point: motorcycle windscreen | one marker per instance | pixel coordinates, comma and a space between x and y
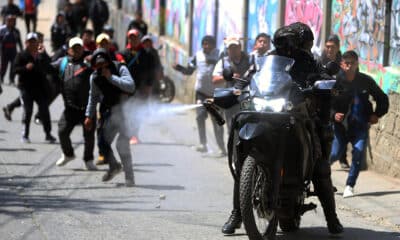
273, 79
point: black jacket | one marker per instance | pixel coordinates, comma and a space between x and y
76, 84
30, 80
141, 65
363, 86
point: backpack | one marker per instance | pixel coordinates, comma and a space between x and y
63, 66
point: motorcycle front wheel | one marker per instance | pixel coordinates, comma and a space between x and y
259, 220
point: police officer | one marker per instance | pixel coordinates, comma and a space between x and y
295, 41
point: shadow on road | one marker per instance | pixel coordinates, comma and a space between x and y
17, 149
19, 164
377, 194
350, 233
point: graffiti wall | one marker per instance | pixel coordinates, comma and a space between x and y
230, 20
151, 13
203, 21
262, 17
177, 20
309, 12
129, 6
395, 34
361, 26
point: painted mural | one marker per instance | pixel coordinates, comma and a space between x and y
361, 26
129, 6
262, 18
151, 10
230, 20
203, 21
309, 12
177, 20
395, 34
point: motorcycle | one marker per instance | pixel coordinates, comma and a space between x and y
164, 90
271, 146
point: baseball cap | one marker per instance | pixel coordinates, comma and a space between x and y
32, 35
101, 37
99, 59
232, 41
133, 32
75, 41
146, 37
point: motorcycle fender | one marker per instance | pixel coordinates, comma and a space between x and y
251, 130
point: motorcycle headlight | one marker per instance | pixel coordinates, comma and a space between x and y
274, 105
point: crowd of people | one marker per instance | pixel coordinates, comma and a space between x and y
88, 68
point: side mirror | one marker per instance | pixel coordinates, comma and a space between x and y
228, 74
332, 68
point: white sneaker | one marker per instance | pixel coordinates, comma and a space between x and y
348, 192
201, 148
64, 160
90, 166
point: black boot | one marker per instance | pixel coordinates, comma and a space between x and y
324, 190
234, 222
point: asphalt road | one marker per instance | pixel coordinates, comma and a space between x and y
180, 193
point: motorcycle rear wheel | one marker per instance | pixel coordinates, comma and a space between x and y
258, 221
167, 92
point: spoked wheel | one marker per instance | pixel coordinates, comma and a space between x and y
259, 219
167, 90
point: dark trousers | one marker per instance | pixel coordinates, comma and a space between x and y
112, 124
97, 27
27, 98
7, 57
14, 104
201, 124
68, 120
28, 19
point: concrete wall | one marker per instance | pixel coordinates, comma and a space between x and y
384, 152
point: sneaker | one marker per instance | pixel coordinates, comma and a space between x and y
222, 153
37, 121
129, 182
201, 148
50, 139
101, 160
344, 165
64, 160
25, 140
111, 173
7, 113
348, 192
90, 166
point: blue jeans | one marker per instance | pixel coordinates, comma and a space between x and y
357, 135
